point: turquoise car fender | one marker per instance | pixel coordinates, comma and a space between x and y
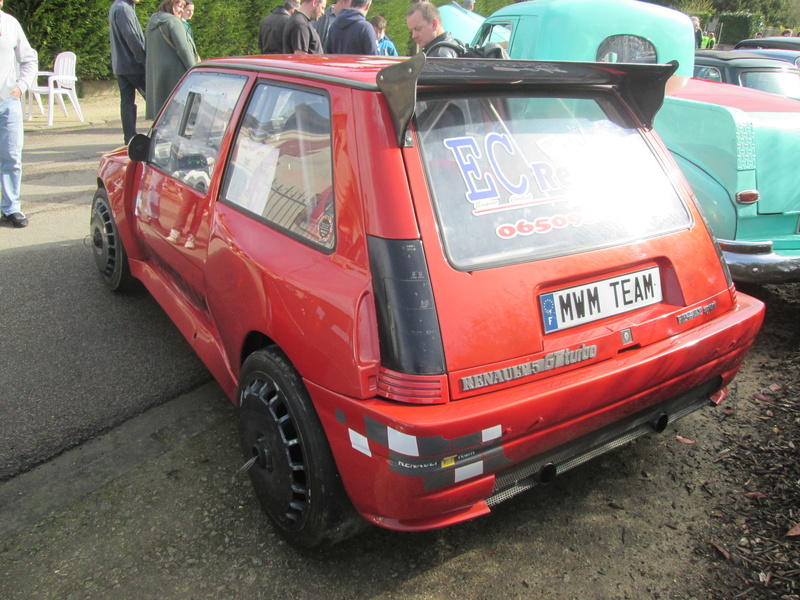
713, 199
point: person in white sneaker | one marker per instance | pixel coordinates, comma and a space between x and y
16, 56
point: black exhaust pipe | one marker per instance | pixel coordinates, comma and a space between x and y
659, 424
546, 474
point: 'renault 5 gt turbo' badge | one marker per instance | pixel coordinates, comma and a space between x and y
552, 360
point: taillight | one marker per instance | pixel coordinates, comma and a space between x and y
417, 389
408, 325
747, 197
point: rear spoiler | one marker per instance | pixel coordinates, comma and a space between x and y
641, 86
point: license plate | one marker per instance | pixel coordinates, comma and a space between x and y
581, 304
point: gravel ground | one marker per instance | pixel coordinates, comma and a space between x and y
706, 511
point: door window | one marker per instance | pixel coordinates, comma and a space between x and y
188, 136
498, 33
709, 73
281, 170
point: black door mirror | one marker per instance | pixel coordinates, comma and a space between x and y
139, 148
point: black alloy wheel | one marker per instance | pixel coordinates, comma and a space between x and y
292, 469
109, 253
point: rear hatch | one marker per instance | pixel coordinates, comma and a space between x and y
556, 234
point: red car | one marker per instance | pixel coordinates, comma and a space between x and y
427, 285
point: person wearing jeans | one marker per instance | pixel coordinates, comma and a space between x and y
18, 65
127, 60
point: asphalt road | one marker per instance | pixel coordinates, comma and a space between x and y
76, 359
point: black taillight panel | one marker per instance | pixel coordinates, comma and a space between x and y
408, 325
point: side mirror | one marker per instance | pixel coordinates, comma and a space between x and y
139, 148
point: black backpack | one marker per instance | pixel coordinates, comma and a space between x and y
490, 50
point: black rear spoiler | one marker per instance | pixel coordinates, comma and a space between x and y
641, 86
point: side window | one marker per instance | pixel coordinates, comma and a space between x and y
627, 49
499, 33
280, 169
709, 73
188, 136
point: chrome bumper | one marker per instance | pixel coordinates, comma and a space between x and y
756, 262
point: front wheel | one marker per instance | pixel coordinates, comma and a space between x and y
293, 471
109, 253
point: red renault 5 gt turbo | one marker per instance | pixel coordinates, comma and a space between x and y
428, 285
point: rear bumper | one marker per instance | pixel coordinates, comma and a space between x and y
413, 468
758, 263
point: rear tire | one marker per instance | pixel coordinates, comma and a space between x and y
294, 474
109, 253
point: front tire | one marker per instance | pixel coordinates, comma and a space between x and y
109, 253
294, 475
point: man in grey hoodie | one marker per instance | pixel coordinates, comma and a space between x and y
127, 60
351, 33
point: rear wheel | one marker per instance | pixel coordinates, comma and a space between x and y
109, 253
292, 471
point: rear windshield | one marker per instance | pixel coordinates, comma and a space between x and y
516, 179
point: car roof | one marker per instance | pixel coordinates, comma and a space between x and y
736, 96
739, 58
352, 71
779, 53
640, 85
787, 43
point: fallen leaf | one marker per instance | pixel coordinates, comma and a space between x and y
684, 440
762, 397
722, 551
755, 496
794, 531
775, 387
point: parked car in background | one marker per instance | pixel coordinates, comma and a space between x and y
791, 56
738, 148
781, 42
750, 191
427, 284
748, 70
460, 22
625, 31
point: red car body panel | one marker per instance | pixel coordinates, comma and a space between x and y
408, 466
735, 96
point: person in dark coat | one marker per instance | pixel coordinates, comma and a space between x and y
170, 53
127, 60
323, 24
351, 33
270, 31
300, 37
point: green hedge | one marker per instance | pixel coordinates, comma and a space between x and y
221, 27
739, 26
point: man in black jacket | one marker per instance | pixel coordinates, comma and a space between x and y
270, 31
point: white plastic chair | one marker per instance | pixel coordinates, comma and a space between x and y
60, 83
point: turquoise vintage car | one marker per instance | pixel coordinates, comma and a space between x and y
737, 148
